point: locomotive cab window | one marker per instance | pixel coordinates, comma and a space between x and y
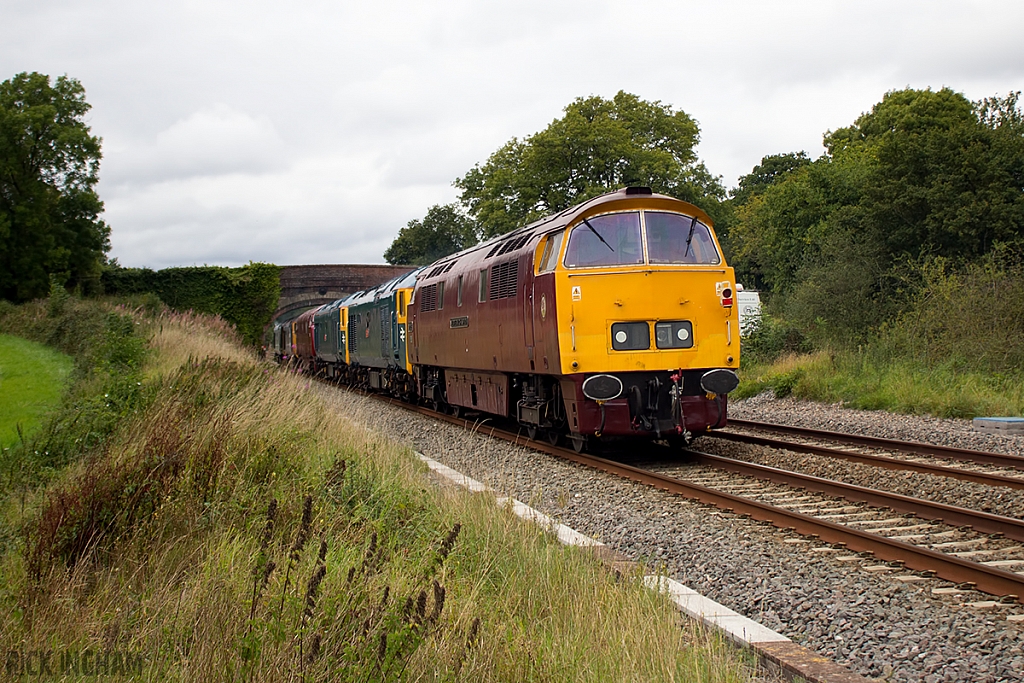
609, 240
549, 252
674, 238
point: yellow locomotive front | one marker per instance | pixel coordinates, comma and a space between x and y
648, 332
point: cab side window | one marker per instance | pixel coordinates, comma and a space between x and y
549, 255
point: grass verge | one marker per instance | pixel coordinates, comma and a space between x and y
229, 525
860, 380
32, 379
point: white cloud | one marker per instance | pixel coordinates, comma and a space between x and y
214, 141
217, 140
313, 131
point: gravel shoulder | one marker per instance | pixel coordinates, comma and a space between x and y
868, 622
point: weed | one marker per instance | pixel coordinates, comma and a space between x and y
171, 531
301, 535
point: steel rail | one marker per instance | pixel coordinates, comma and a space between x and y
875, 460
962, 454
984, 578
984, 522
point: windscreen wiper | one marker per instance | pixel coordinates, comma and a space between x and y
587, 223
689, 238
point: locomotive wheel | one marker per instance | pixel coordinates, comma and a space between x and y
552, 436
578, 442
676, 442
456, 411
531, 432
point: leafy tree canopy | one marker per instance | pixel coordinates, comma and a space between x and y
772, 169
444, 230
49, 165
597, 146
924, 174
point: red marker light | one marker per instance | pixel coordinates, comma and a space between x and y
727, 297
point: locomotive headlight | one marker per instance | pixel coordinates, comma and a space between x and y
675, 334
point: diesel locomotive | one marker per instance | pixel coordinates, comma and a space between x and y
614, 319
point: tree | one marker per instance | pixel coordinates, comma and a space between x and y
924, 174
946, 177
771, 170
444, 230
597, 146
49, 211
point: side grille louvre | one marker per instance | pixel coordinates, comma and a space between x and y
504, 280
508, 245
441, 269
353, 333
428, 298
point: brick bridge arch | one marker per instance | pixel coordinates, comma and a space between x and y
305, 287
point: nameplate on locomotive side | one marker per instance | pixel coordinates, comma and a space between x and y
456, 323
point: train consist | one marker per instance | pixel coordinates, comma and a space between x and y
613, 319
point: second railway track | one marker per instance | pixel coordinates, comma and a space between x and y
972, 463
988, 578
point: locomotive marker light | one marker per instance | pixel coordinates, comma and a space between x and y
631, 336
724, 292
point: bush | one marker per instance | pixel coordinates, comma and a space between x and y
970, 316
771, 338
108, 347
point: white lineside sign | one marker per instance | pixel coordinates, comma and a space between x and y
749, 303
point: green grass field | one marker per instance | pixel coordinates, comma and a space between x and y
868, 382
31, 381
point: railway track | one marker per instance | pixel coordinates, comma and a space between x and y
992, 469
931, 538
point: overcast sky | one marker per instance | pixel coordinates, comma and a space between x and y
311, 132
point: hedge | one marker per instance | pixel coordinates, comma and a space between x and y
246, 297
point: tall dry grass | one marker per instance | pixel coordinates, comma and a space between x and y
239, 527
